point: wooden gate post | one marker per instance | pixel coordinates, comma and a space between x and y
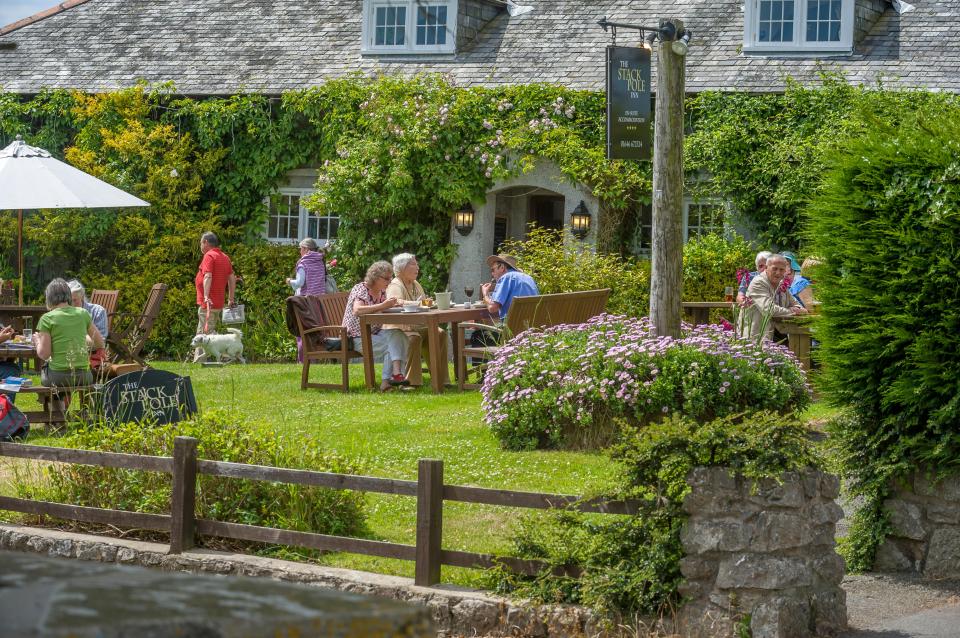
429, 521
183, 499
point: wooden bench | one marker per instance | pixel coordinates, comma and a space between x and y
541, 311
52, 412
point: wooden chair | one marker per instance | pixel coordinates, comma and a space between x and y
130, 331
325, 342
107, 299
541, 311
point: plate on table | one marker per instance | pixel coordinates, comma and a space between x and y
415, 309
394, 309
13, 345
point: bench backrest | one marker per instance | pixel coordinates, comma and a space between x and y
543, 311
333, 306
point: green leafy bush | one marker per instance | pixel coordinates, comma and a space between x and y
566, 385
220, 438
631, 564
710, 264
886, 221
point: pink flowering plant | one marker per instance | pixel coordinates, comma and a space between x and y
569, 386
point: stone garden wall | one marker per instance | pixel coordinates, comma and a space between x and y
762, 558
925, 518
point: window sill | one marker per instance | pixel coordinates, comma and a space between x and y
793, 52
410, 53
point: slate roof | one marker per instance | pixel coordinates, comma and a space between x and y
270, 46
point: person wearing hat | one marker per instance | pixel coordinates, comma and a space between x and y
508, 282
801, 286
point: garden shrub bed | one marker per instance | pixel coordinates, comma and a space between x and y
262, 503
567, 386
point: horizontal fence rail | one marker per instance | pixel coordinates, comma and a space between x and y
182, 524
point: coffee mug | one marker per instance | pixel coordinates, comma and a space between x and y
443, 300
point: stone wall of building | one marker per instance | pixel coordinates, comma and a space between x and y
925, 521
762, 556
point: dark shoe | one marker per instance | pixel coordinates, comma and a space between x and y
397, 379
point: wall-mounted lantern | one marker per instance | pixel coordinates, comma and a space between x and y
580, 221
463, 220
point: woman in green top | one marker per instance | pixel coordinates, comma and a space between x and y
61, 339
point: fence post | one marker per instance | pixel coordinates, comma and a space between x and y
429, 521
183, 499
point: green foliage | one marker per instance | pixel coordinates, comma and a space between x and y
631, 565
262, 503
710, 264
887, 221
566, 386
766, 153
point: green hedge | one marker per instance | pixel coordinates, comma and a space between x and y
221, 438
886, 220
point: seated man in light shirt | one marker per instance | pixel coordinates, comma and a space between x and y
98, 313
509, 282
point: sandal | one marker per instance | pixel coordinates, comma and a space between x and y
397, 380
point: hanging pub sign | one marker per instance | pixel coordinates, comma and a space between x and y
628, 103
156, 395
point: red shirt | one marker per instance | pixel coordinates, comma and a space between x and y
218, 264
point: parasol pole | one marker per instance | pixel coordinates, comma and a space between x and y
20, 251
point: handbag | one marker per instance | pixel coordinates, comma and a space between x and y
233, 315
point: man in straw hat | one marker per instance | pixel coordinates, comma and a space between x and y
508, 282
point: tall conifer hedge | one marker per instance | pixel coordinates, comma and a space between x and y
887, 223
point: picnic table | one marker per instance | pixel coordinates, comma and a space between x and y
9, 350
431, 318
700, 310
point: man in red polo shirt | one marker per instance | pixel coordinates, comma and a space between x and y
214, 278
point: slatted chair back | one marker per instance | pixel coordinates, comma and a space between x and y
333, 306
107, 299
130, 335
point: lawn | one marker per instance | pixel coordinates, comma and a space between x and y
388, 433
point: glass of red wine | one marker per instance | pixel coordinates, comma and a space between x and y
468, 291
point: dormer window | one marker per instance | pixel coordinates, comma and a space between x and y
409, 26
800, 27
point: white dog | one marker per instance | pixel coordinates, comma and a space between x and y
218, 346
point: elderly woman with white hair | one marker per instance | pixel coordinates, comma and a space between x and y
98, 356
388, 344
408, 290
310, 273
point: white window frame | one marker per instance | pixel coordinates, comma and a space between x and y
304, 219
410, 45
799, 45
719, 203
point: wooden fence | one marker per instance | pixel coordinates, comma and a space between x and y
182, 524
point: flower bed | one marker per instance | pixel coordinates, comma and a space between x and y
568, 385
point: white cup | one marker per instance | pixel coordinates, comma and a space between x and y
443, 300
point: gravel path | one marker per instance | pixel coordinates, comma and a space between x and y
877, 601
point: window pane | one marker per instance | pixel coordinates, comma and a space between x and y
391, 15
334, 227
835, 32
776, 20
323, 229
824, 20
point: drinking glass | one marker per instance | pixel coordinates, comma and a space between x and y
468, 291
728, 294
28, 328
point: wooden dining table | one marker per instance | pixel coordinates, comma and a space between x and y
700, 310
12, 351
432, 319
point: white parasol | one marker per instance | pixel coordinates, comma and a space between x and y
30, 178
